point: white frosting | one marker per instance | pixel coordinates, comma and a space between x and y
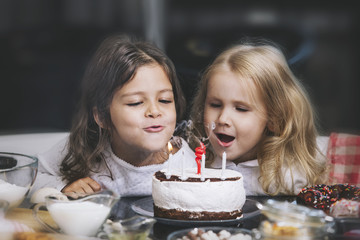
216, 196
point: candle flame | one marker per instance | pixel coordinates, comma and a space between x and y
170, 147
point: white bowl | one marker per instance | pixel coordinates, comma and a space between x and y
17, 174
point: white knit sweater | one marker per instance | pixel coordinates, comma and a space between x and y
128, 180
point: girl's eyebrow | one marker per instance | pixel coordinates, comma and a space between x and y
130, 94
166, 90
143, 93
241, 103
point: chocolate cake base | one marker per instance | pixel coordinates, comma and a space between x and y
187, 215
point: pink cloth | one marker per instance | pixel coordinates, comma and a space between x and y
344, 158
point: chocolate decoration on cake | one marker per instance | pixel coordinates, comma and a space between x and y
162, 177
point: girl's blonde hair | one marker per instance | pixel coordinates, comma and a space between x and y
290, 142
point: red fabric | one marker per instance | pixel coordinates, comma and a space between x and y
344, 158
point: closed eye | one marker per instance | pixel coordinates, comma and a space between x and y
215, 105
241, 109
165, 101
134, 104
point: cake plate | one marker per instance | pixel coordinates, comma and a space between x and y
145, 207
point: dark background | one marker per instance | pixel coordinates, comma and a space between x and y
46, 44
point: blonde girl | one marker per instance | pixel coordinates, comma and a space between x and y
264, 121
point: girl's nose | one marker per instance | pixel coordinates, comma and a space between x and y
152, 111
223, 118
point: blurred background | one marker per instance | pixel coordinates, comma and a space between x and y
45, 46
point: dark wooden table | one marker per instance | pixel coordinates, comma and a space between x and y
160, 231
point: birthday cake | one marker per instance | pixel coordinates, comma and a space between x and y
184, 194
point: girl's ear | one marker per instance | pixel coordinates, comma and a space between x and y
97, 118
270, 126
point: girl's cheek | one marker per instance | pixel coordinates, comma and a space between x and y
208, 116
172, 115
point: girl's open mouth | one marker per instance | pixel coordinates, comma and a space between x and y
225, 140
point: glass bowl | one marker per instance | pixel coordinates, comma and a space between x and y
284, 220
3, 207
134, 228
226, 232
76, 214
17, 174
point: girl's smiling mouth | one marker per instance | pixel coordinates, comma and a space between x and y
225, 140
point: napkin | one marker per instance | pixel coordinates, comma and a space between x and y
344, 158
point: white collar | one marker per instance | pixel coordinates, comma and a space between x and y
250, 163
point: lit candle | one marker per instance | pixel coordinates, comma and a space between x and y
202, 178
223, 166
169, 160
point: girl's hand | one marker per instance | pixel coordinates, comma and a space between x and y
83, 185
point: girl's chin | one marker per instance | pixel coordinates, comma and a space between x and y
156, 148
219, 152
230, 155
156, 142
159, 146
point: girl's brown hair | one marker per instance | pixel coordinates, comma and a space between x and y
114, 63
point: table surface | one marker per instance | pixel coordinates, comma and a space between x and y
123, 210
24, 216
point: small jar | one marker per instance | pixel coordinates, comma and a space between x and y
285, 220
